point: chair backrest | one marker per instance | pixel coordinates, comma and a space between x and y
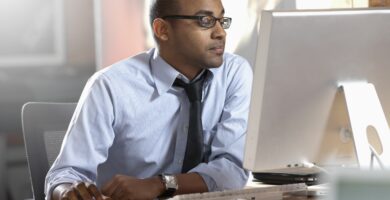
44, 126
3, 155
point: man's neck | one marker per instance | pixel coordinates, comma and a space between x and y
187, 70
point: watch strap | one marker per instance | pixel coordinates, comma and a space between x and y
169, 192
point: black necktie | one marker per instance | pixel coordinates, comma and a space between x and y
194, 150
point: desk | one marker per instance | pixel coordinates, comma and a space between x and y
294, 196
301, 198
254, 191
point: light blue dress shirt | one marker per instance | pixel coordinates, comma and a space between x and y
131, 121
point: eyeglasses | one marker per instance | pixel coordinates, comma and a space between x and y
206, 21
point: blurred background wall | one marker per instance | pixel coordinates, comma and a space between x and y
22, 81
65, 60
49, 49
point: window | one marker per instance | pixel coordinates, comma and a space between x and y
327, 4
32, 33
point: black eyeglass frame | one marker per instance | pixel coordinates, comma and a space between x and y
200, 18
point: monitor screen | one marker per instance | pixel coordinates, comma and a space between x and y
298, 112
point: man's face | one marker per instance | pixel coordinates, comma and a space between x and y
192, 44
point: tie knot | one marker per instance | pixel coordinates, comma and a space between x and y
193, 90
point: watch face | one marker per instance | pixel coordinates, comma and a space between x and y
170, 181
171, 185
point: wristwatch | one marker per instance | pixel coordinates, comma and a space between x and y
171, 185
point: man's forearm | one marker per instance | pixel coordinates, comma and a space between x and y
190, 183
150, 188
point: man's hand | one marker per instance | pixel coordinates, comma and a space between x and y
126, 187
77, 191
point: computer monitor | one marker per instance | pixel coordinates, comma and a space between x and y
298, 112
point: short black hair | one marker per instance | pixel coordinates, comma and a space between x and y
160, 8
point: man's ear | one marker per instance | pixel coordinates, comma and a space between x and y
160, 29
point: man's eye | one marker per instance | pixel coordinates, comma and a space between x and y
207, 20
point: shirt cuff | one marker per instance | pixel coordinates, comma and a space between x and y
221, 175
211, 185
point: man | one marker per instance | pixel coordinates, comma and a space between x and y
129, 133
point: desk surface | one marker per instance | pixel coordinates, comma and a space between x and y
301, 198
294, 196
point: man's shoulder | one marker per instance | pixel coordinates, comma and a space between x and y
234, 59
129, 67
136, 62
232, 64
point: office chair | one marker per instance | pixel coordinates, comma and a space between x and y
3, 162
44, 126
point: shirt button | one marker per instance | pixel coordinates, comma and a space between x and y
180, 161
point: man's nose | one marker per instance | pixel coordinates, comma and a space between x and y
218, 31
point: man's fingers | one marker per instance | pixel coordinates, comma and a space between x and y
94, 191
105, 187
70, 195
108, 188
82, 190
106, 198
117, 194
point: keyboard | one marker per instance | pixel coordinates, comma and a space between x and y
257, 193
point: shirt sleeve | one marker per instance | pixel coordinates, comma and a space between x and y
225, 167
88, 138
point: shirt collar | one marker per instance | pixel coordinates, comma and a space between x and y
164, 74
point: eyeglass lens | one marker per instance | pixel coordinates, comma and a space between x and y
209, 21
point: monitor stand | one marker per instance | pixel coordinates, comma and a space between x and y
365, 112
